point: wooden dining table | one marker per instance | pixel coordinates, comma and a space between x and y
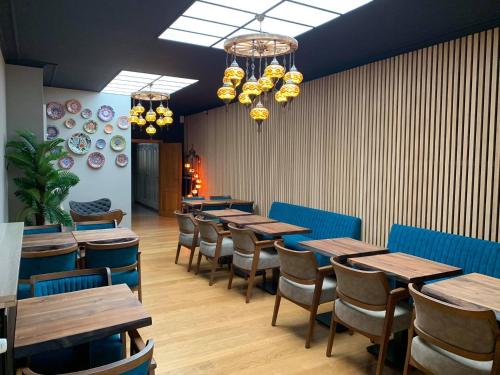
228, 212
197, 203
111, 234
342, 248
47, 241
277, 229
69, 319
247, 220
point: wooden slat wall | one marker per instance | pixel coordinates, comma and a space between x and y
414, 139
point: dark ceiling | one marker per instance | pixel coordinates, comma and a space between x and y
84, 44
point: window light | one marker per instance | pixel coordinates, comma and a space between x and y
205, 27
253, 6
337, 6
217, 13
272, 25
187, 37
301, 14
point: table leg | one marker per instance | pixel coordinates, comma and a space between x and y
396, 352
271, 285
326, 318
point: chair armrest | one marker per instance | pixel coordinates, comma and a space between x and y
136, 345
265, 243
326, 271
399, 293
224, 233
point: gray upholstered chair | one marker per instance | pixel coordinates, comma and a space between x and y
188, 235
251, 256
452, 340
214, 244
304, 283
366, 304
91, 208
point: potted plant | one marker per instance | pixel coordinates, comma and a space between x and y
41, 187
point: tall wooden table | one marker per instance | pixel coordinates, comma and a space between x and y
84, 236
47, 241
198, 203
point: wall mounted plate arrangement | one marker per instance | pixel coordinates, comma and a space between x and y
100, 144
108, 129
52, 132
118, 143
79, 143
67, 162
96, 160
123, 122
73, 106
86, 113
55, 111
106, 113
70, 123
121, 160
90, 126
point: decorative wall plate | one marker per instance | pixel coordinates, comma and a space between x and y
86, 113
118, 143
79, 143
100, 144
108, 129
55, 111
121, 160
106, 113
67, 162
52, 132
96, 160
90, 126
73, 106
123, 122
70, 123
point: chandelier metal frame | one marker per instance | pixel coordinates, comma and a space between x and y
261, 44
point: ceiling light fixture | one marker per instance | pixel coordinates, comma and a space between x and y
165, 114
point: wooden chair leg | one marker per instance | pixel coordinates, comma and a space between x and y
331, 336
251, 280
276, 308
212, 272
231, 275
123, 337
198, 263
191, 256
178, 252
408, 366
312, 323
384, 344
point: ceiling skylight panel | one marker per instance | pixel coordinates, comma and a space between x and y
177, 79
187, 37
274, 26
216, 13
254, 6
301, 13
338, 6
203, 27
138, 76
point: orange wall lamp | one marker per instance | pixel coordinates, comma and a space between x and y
193, 182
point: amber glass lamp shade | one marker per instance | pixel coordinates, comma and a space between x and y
194, 191
168, 120
133, 119
197, 186
293, 75
187, 165
168, 112
160, 109
244, 99
252, 88
139, 108
160, 121
151, 130
290, 90
198, 181
259, 113
141, 121
274, 70
234, 73
280, 98
151, 116
226, 93
265, 83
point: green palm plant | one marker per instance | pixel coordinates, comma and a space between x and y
42, 187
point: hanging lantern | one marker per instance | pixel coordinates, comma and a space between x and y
194, 191
161, 109
151, 130
293, 75
290, 90
150, 116
280, 98
244, 99
252, 88
168, 112
226, 93
139, 108
187, 165
259, 113
141, 121
265, 83
274, 70
160, 121
234, 73
168, 120
198, 181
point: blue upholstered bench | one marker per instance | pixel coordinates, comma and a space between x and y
324, 224
470, 254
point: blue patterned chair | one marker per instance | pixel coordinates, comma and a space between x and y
324, 224
91, 225
50, 228
247, 207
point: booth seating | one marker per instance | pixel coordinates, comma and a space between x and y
323, 224
246, 206
470, 254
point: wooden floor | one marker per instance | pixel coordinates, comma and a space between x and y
200, 329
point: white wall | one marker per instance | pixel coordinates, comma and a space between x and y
3, 140
110, 181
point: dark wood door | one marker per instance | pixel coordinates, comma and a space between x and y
170, 178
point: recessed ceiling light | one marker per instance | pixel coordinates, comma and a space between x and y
217, 13
272, 25
337, 6
301, 13
254, 6
204, 27
187, 37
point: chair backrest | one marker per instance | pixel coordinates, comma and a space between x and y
220, 197
91, 225
468, 333
103, 216
244, 240
208, 230
247, 207
138, 364
119, 255
186, 222
69, 281
193, 198
89, 208
366, 289
47, 261
213, 206
297, 266
49, 228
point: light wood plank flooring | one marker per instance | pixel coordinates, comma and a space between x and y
210, 330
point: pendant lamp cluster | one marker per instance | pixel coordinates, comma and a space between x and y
262, 77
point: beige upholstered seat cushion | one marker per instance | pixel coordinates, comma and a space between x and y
441, 362
208, 249
371, 322
187, 239
268, 258
304, 293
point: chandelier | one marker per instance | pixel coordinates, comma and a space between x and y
262, 77
162, 116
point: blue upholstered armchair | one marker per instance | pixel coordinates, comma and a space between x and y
214, 206
220, 197
50, 228
91, 225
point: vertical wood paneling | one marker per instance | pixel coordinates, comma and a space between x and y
414, 139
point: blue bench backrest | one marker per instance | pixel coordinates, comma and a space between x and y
472, 255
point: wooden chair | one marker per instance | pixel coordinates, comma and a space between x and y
211, 206
92, 225
251, 256
304, 283
37, 229
188, 235
366, 304
214, 244
247, 206
121, 256
220, 197
451, 339
116, 215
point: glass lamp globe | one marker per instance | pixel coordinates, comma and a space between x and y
151, 130
132, 112
160, 121
280, 98
290, 90
274, 70
168, 112
161, 109
252, 88
259, 113
226, 93
151, 116
265, 83
194, 191
198, 181
139, 108
168, 120
293, 75
234, 73
141, 121
244, 99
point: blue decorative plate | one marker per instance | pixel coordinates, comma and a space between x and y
100, 144
79, 143
52, 132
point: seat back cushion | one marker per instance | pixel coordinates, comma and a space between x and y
112, 258
43, 229
89, 208
93, 226
220, 197
186, 223
68, 284
50, 264
247, 207
470, 254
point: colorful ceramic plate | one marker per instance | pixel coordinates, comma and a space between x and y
90, 126
52, 132
55, 111
100, 144
86, 113
79, 143
106, 113
121, 160
73, 106
108, 129
96, 160
70, 123
123, 122
118, 143
67, 162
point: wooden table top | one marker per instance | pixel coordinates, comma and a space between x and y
248, 219
277, 229
69, 319
11, 238
214, 201
342, 248
406, 268
47, 241
469, 291
225, 213
84, 236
